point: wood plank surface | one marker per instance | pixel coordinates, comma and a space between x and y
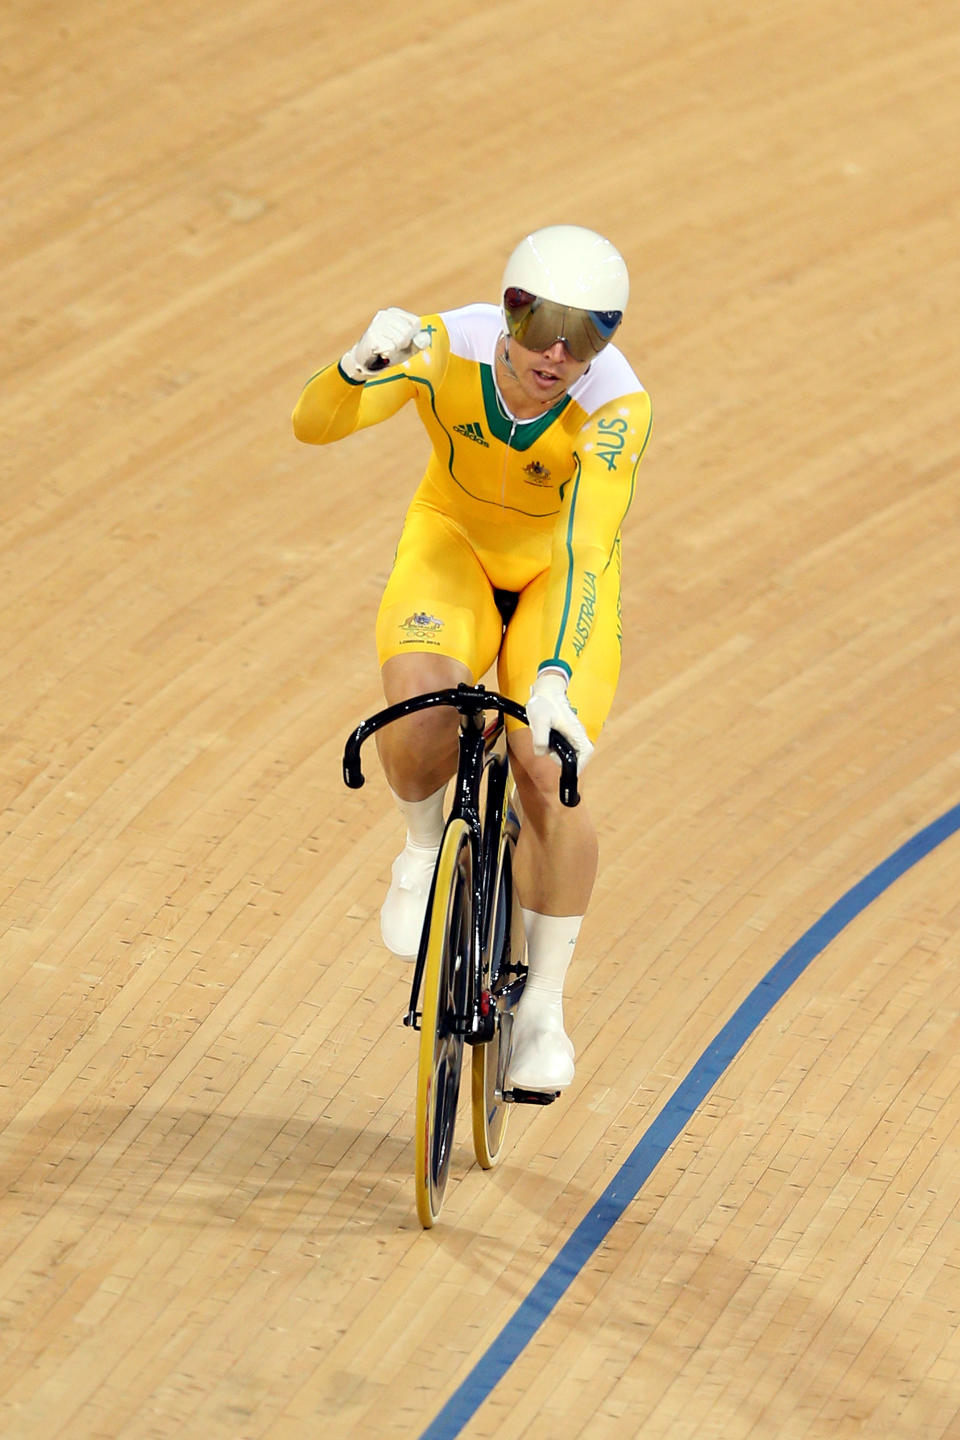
206, 1093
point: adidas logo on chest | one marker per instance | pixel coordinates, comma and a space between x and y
473, 431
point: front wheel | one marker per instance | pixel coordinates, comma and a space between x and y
446, 968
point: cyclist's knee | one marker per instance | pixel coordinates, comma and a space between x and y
537, 777
418, 752
404, 676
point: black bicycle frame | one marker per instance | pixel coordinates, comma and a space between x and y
475, 751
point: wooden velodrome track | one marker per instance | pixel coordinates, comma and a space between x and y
207, 1212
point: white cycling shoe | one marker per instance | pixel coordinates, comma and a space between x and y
403, 911
541, 1052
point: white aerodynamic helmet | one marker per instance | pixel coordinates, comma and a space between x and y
565, 283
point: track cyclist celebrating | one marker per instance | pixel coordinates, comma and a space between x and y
509, 555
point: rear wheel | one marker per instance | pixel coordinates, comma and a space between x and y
446, 967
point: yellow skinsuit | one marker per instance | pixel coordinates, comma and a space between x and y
528, 507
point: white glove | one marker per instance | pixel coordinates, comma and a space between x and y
393, 335
549, 709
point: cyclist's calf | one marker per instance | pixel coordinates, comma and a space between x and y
557, 853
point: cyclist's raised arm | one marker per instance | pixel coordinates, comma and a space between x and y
367, 385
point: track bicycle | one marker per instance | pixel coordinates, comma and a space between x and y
469, 972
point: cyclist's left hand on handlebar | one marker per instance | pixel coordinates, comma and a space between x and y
549, 709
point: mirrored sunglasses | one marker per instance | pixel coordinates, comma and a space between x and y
538, 324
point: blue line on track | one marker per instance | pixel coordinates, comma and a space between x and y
596, 1225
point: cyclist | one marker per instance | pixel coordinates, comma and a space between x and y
509, 555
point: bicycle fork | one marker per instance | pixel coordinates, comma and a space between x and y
474, 1026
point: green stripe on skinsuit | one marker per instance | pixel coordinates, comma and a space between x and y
565, 614
633, 488
427, 385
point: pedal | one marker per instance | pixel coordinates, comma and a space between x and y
531, 1097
